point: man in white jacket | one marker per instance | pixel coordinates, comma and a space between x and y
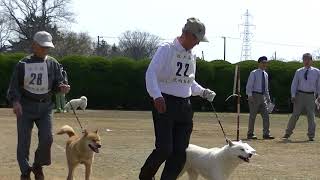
170, 81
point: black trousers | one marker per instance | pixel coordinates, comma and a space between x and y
172, 131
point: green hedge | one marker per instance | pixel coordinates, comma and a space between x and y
7, 64
119, 83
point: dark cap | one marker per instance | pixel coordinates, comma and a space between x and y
262, 58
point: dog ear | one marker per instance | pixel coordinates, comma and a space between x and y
96, 131
230, 142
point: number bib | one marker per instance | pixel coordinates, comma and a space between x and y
183, 68
36, 78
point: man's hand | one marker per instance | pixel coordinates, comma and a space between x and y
293, 99
17, 109
64, 88
208, 94
160, 105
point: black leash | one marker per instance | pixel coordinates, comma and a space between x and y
74, 112
214, 110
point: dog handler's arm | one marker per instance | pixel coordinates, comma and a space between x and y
249, 86
318, 87
13, 94
294, 86
196, 89
153, 71
59, 85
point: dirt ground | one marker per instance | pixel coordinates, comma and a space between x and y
127, 139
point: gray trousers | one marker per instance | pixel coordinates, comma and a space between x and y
41, 115
258, 105
302, 102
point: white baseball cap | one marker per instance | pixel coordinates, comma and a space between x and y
44, 39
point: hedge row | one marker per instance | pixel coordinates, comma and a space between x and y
119, 83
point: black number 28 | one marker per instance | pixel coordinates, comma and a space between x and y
34, 77
180, 66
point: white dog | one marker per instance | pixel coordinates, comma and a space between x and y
216, 163
76, 103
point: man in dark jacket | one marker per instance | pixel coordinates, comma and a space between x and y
35, 79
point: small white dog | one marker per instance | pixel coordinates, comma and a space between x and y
216, 163
76, 103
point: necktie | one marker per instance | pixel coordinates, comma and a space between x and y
263, 83
306, 74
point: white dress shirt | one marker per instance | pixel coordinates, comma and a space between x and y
254, 82
172, 71
311, 84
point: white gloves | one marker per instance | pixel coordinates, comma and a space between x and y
208, 95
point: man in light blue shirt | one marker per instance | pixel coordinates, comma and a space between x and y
305, 85
258, 97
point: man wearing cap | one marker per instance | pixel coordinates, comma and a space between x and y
258, 97
34, 80
170, 81
305, 85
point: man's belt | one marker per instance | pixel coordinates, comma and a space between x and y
38, 100
256, 92
305, 92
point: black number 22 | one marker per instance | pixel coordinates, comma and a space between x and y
180, 65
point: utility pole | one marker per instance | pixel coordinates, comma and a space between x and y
98, 41
98, 45
224, 48
275, 55
202, 56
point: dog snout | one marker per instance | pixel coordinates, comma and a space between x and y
250, 155
98, 145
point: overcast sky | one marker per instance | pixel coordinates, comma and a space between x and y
289, 27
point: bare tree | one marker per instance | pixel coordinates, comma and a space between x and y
30, 16
138, 44
316, 54
71, 43
5, 32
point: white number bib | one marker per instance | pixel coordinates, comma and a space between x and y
36, 78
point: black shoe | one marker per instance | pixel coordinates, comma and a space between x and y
38, 173
25, 177
268, 136
286, 137
251, 136
311, 139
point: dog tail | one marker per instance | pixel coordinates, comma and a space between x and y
66, 130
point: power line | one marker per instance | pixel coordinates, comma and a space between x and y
234, 38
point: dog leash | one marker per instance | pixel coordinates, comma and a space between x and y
74, 112
214, 110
